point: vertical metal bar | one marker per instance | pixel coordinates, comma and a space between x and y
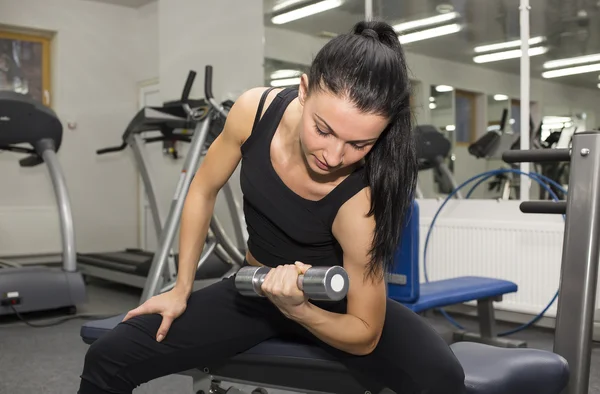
368, 10
153, 285
487, 319
525, 93
238, 222
443, 168
579, 270
137, 144
143, 164
67, 228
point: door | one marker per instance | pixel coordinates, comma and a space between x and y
149, 95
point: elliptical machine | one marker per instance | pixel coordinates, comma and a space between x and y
132, 265
38, 288
432, 150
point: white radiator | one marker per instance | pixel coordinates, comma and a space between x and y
494, 239
29, 231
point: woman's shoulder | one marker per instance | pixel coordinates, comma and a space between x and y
243, 113
249, 101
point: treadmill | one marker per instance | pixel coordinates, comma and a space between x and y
165, 124
27, 126
433, 148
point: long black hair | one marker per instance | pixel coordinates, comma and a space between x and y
368, 67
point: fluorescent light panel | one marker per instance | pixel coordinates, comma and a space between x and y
500, 97
285, 74
277, 83
430, 33
512, 54
572, 61
443, 88
434, 20
571, 71
303, 12
508, 44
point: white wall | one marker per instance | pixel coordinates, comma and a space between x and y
93, 84
227, 34
146, 42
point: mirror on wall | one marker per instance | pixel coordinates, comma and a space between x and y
281, 74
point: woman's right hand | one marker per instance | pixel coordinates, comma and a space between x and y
170, 305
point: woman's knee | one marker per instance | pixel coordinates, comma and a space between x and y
108, 356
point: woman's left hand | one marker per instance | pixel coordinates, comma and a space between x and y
281, 287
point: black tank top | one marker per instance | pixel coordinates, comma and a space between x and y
284, 227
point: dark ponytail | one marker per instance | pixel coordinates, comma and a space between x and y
368, 67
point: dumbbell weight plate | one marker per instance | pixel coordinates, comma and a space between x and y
325, 283
248, 281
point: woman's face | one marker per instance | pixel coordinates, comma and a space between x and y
334, 133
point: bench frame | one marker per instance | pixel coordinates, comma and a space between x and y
487, 327
404, 286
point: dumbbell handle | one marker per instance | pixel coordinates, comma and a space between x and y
318, 283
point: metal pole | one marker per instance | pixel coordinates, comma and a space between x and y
153, 285
579, 269
368, 10
525, 86
46, 149
238, 221
143, 164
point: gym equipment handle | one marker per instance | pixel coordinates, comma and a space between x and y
208, 82
112, 149
536, 156
318, 283
559, 207
188, 86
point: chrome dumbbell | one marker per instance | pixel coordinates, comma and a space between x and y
318, 283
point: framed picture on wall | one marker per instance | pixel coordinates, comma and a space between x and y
25, 65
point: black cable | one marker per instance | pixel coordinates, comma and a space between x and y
56, 322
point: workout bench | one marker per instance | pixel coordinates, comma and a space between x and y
285, 364
303, 367
404, 287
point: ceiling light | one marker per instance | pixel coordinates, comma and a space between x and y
451, 127
432, 105
572, 61
277, 83
599, 86
434, 20
500, 97
513, 54
430, 33
443, 88
556, 119
285, 74
508, 44
286, 4
572, 71
308, 10
431, 99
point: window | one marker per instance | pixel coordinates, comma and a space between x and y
466, 118
25, 65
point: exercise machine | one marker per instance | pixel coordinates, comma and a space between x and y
28, 127
218, 241
171, 121
433, 148
286, 363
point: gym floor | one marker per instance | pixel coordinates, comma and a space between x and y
49, 360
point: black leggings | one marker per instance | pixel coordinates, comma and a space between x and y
219, 323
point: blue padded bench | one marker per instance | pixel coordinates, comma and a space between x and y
404, 287
285, 364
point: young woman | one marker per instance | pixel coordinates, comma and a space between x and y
328, 173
